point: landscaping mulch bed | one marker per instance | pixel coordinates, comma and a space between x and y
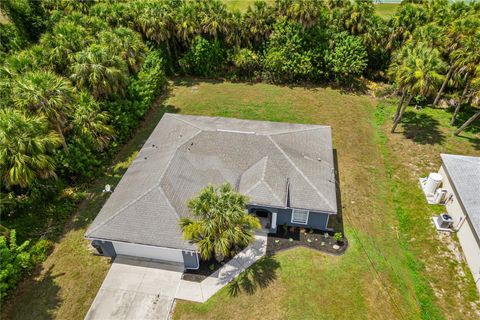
290, 237
206, 269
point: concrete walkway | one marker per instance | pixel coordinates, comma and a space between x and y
202, 291
136, 289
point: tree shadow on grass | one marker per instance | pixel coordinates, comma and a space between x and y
466, 113
40, 307
422, 128
259, 275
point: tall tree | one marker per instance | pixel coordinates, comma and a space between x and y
459, 34
27, 146
128, 46
66, 39
91, 123
418, 73
467, 57
45, 94
219, 222
303, 12
97, 70
27, 15
258, 23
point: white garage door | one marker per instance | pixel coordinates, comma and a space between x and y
138, 250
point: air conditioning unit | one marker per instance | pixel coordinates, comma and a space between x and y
440, 196
433, 182
444, 221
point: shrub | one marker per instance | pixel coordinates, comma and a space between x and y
203, 58
338, 236
246, 61
347, 57
18, 259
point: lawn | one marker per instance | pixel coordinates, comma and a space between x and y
386, 10
396, 266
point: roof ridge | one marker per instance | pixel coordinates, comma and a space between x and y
149, 190
185, 121
317, 127
301, 173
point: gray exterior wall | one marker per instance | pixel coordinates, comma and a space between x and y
316, 220
190, 258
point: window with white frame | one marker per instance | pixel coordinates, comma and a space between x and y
300, 216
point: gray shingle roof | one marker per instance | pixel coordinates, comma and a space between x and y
186, 153
464, 172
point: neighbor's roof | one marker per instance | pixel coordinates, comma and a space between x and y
464, 172
275, 164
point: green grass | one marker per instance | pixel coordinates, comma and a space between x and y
384, 274
242, 5
386, 10
394, 267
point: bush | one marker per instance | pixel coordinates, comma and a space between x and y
203, 58
347, 57
246, 62
15, 260
338, 236
141, 92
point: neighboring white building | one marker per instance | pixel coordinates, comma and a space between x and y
461, 177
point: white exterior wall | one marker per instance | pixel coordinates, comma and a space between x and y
465, 232
144, 251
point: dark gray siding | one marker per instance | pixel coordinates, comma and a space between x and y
190, 259
316, 220
106, 247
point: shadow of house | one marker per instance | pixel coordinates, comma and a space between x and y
39, 307
259, 275
422, 128
336, 221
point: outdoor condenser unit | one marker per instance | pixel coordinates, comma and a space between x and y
433, 182
440, 195
444, 221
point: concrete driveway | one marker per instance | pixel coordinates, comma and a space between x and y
136, 289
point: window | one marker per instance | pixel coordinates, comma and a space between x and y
299, 216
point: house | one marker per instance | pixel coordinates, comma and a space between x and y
286, 170
461, 179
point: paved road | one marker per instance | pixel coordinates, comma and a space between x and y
135, 289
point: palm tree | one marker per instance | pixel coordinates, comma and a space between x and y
475, 84
45, 94
418, 74
468, 59
214, 19
304, 12
220, 222
406, 19
258, 23
66, 39
187, 22
459, 35
91, 123
97, 70
27, 144
128, 45
154, 21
